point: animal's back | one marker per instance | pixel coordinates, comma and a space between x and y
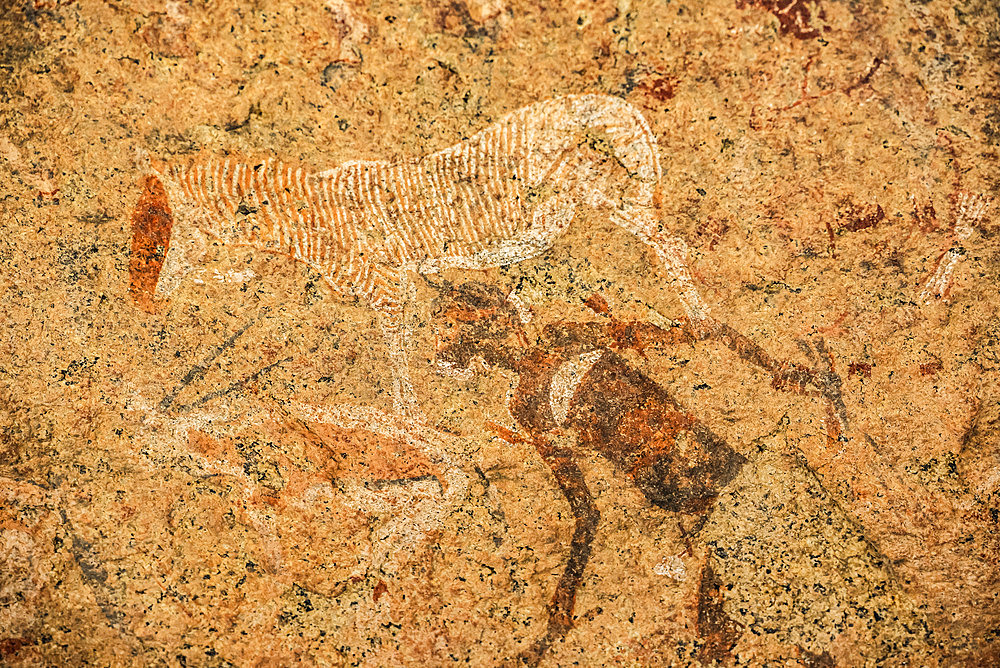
482, 194
486, 190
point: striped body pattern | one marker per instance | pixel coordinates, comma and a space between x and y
501, 196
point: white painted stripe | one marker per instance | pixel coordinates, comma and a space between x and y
566, 380
340, 209
413, 210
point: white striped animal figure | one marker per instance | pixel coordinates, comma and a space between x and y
499, 197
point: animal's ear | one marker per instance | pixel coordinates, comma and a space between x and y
598, 304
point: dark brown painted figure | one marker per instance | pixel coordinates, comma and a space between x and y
613, 409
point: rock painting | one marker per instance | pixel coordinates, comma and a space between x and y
574, 393
492, 332
501, 196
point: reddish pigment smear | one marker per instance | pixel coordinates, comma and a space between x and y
151, 226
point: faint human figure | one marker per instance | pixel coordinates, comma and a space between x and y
573, 382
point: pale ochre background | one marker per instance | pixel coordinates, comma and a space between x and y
117, 544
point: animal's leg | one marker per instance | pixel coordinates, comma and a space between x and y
412, 420
718, 631
671, 251
785, 375
392, 321
394, 329
560, 609
819, 381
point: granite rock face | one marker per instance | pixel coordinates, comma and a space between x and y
694, 362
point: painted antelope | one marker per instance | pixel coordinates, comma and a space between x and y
499, 197
573, 383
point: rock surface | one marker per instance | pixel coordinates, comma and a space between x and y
218, 475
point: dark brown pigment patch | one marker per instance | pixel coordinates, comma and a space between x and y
859, 218
151, 227
814, 660
716, 628
660, 88
931, 368
793, 15
10, 646
862, 369
380, 590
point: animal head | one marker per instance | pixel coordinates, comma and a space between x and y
475, 320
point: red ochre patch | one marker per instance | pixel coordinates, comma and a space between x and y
151, 227
336, 453
370, 456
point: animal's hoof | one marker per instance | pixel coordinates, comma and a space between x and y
530, 657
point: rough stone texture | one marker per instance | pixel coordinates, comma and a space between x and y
161, 503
